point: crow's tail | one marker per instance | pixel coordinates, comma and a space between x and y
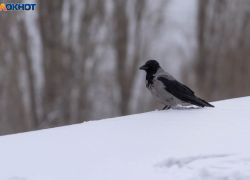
196, 101
206, 103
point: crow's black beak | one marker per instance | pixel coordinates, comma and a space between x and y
144, 67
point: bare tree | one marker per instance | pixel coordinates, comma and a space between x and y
90, 54
127, 61
24, 48
50, 23
223, 59
64, 61
121, 37
13, 112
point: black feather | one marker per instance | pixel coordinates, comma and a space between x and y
182, 92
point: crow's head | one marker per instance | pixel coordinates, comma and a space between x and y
151, 66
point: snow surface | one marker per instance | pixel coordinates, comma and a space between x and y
180, 144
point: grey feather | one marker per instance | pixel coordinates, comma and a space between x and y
168, 91
157, 89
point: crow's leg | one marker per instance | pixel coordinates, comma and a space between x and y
166, 107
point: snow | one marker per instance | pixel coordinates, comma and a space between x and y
180, 144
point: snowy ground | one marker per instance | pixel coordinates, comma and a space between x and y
182, 144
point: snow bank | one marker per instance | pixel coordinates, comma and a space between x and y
208, 143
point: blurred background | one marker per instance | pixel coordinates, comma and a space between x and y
71, 61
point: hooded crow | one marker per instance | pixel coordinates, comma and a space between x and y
167, 90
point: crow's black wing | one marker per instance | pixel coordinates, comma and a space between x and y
182, 92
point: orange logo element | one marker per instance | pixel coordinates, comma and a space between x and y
2, 7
